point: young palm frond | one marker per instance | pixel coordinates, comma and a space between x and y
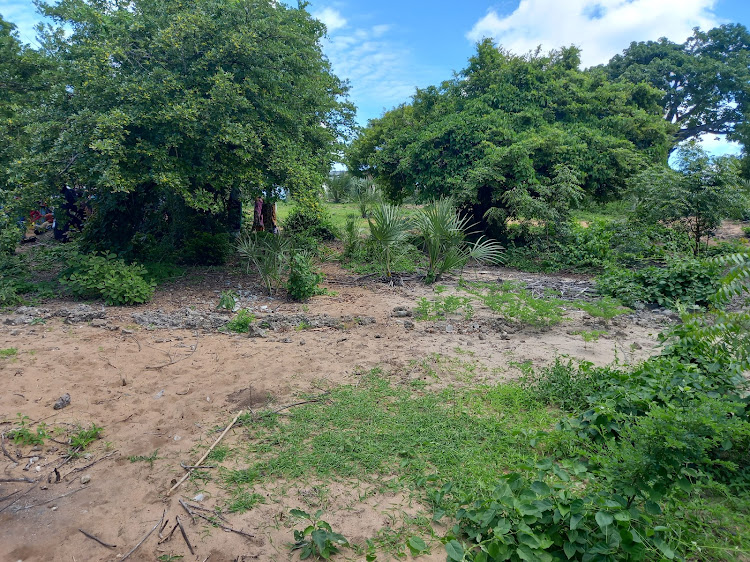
268, 254
389, 230
444, 232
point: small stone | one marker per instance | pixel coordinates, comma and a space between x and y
53, 508
449, 328
302, 342
85, 479
198, 498
408, 324
87, 456
401, 312
98, 322
177, 438
635, 345
256, 332
62, 402
159, 394
15, 332
127, 331
482, 336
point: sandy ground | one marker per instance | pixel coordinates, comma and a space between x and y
166, 389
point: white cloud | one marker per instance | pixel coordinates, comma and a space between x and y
331, 18
601, 28
378, 66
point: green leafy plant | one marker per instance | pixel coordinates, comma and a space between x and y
203, 248
143, 458
441, 306
388, 230
8, 352
606, 308
227, 300
83, 437
444, 232
23, 434
590, 335
268, 255
317, 539
517, 304
107, 277
303, 281
240, 324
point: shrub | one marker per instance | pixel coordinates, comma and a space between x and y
312, 222
10, 234
268, 254
388, 230
240, 324
203, 248
564, 384
107, 277
690, 282
303, 280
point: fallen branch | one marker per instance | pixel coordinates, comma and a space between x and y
184, 536
5, 451
19, 497
169, 536
82, 468
211, 511
213, 522
157, 367
317, 399
53, 499
186, 467
9, 496
205, 455
25, 480
97, 539
132, 550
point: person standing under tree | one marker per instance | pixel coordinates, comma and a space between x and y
258, 215
269, 218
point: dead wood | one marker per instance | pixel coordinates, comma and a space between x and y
213, 522
97, 539
132, 550
5, 451
26, 480
172, 362
82, 468
53, 499
184, 536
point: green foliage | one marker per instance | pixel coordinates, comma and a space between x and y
366, 195
83, 437
254, 108
704, 81
517, 304
227, 300
695, 198
352, 238
563, 384
303, 279
10, 234
240, 324
515, 137
310, 220
8, 352
548, 519
268, 254
107, 277
441, 306
317, 539
203, 248
444, 233
143, 458
23, 434
680, 282
388, 230
606, 308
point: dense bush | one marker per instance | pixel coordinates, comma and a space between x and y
686, 281
203, 248
109, 278
10, 234
313, 222
303, 279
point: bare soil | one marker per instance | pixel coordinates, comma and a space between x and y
168, 388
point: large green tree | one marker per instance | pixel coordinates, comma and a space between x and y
183, 104
705, 80
515, 136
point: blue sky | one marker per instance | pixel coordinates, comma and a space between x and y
387, 48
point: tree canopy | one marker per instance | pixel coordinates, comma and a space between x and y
705, 80
512, 135
189, 101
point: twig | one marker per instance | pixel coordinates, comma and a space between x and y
184, 536
186, 467
169, 536
134, 338
211, 511
53, 499
26, 480
157, 367
211, 448
9, 496
213, 522
5, 451
317, 399
97, 539
132, 550
82, 468
19, 497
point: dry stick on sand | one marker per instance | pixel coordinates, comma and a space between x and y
172, 362
211, 448
26, 480
53, 499
97, 539
5, 451
82, 468
132, 550
194, 514
184, 536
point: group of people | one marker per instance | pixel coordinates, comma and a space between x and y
264, 217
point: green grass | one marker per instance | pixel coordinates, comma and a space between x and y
8, 352
377, 431
143, 458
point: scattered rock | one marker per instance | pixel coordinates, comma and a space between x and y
159, 394
255, 331
408, 324
401, 312
635, 346
198, 497
98, 322
449, 328
302, 342
15, 332
62, 402
85, 479
80, 313
482, 336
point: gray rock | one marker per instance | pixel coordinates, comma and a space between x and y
401, 312
98, 322
408, 324
255, 331
62, 402
85, 479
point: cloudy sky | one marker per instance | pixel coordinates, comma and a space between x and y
387, 48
